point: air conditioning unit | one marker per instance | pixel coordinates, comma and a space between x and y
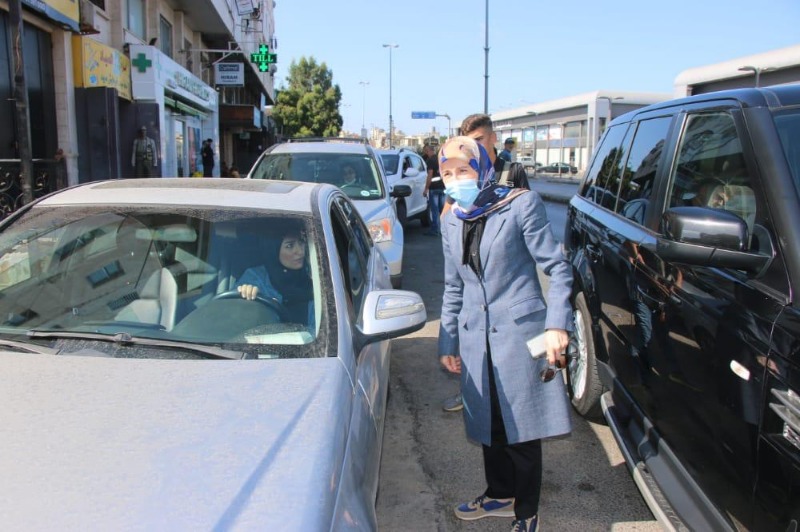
90, 19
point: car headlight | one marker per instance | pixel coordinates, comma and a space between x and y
380, 230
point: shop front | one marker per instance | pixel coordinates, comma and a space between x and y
181, 111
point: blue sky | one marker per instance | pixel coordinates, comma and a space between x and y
539, 50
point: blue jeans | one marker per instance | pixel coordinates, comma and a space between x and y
435, 206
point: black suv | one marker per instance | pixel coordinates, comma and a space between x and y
685, 242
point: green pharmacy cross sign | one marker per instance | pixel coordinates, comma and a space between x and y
262, 59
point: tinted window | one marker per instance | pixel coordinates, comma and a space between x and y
788, 125
350, 246
640, 170
605, 169
711, 170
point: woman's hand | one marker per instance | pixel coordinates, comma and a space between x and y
248, 291
555, 343
451, 363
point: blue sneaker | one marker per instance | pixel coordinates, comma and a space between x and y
484, 506
530, 524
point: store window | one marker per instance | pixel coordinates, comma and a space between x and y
165, 36
136, 18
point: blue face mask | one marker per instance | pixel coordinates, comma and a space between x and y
463, 191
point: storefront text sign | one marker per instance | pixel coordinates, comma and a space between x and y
65, 12
98, 65
229, 74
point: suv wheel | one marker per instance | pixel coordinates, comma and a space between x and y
402, 217
585, 387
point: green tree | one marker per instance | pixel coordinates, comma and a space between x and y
309, 105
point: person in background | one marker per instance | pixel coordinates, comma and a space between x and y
224, 171
207, 154
494, 239
145, 154
234, 172
434, 189
508, 148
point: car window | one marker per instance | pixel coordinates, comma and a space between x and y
711, 170
787, 123
324, 168
603, 177
157, 273
390, 162
639, 173
350, 250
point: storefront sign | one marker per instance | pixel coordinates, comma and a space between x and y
65, 12
262, 59
229, 74
152, 72
98, 65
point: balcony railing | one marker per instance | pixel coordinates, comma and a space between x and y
49, 175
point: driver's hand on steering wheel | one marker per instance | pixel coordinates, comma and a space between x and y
248, 291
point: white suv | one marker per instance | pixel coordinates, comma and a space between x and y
327, 160
404, 166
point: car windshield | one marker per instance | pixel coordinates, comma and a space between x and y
787, 122
357, 175
167, 275
390, 162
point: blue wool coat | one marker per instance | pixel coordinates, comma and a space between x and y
504, 309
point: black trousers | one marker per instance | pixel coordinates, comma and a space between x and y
512, 470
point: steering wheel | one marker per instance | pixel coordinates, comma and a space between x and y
272, 304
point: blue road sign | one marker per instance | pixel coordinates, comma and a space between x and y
423, 114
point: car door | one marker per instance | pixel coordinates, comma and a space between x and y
413, 176
360, 265
711, 326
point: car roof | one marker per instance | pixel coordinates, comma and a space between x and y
288, 196
320, 147
395, 151
773, 97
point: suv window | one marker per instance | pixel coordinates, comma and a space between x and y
640, 171
788, 125
605, 170
353, 252
711, 169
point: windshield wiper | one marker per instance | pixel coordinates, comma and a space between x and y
27, 347
124, 338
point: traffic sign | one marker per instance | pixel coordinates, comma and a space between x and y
423, 114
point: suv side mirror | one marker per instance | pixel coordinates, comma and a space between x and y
400, 191
708, 237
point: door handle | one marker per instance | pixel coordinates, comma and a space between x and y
594, 254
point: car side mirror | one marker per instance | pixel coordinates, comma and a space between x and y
702, 236
411, 172
391, 313
400, 191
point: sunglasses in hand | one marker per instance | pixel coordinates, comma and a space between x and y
562, 362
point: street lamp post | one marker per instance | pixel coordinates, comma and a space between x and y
535, 139
363, 105
486, 65
596, 132
391, 123
757, 71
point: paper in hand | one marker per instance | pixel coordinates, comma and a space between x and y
536, 346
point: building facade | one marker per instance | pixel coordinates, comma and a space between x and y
566, 130
99, 70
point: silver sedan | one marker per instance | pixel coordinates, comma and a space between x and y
188, 354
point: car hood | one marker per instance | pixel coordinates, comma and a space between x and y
373, 209
120, 444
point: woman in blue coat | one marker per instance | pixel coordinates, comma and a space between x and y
494, 239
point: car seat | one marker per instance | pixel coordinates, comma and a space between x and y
157, 301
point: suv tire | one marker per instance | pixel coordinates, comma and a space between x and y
583, 379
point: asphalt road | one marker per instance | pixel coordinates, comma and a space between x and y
428, 464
